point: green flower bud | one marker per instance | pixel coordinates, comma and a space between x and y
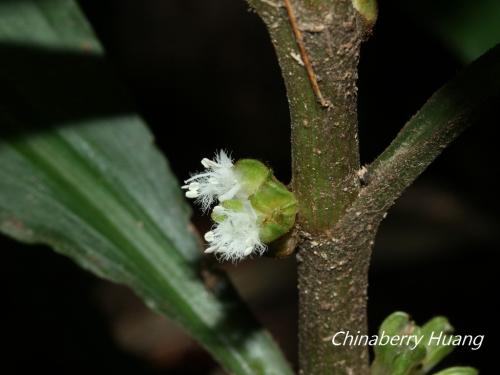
252, 174
254, 207
422, 354
436, 351
275, 206
400, 359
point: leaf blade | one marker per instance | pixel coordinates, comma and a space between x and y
79, 171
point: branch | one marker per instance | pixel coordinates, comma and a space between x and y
340, 218
445, 115
317, 43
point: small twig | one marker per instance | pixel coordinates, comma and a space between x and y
304, 55
445, 115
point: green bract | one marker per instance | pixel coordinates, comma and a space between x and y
423, 352
276, 207
253, 207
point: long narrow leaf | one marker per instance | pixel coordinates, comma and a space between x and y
79, 172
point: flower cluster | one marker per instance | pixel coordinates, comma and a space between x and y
235, 233
252, 207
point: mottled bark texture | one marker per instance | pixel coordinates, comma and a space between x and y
317, 43
332, 275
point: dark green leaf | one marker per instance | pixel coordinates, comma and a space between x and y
468, 28
79, 172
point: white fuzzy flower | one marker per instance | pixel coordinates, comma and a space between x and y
237, 235
254, 208
218, 182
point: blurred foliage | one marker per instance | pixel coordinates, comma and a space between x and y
467, 27
416, 350
79, 171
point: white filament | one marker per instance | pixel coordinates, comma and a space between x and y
218, 182
237, 235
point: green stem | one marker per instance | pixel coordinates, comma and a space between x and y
325, 160
445, 115
324, 140
339, 220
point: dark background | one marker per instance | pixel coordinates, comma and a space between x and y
204, 76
